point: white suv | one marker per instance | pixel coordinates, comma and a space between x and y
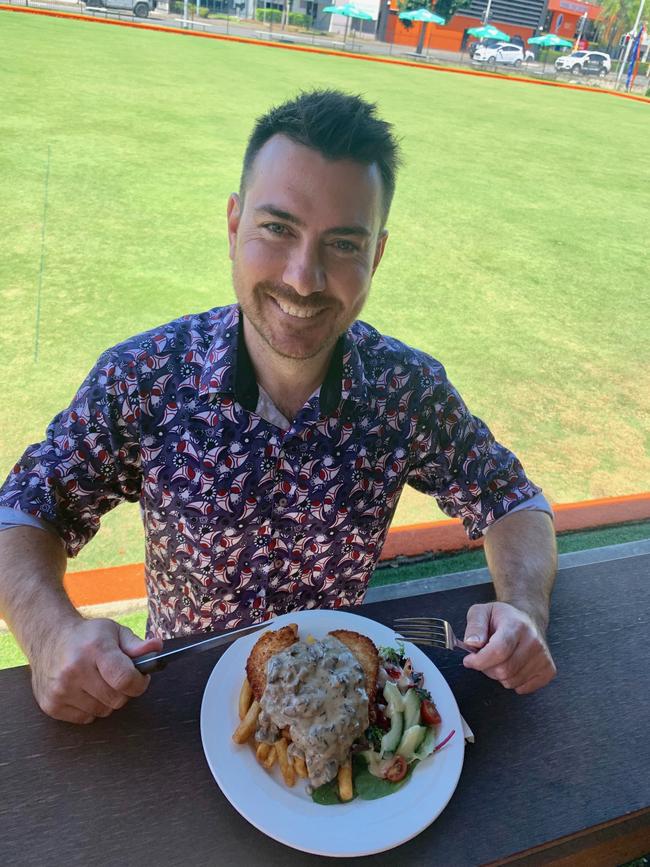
585, 63
502, 52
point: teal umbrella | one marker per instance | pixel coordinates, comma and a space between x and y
422, 15
550, 40
426, 18
488, 32
350, 11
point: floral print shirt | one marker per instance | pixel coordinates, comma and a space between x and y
245, 520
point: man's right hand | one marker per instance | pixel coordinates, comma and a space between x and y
85, 671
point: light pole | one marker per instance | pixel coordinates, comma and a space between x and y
583, 19
621, 66
487, 12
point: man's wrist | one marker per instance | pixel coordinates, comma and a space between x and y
537, 611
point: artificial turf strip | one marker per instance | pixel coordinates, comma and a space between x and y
516, 256
400, 570
397, 571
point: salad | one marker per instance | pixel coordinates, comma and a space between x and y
403, 734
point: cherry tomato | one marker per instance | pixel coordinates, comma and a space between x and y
393, 671
429, 713
397, 770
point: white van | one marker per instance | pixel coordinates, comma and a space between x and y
140, 8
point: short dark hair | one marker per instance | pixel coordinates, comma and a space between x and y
339, 126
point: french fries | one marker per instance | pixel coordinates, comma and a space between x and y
345, 781
262, 752
247, 726
245, 698
268, 754
269, 761
286, 767
300, 767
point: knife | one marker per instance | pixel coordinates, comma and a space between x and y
153, 661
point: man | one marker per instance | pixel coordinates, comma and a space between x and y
268, 442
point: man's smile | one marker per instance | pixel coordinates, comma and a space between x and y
295, 311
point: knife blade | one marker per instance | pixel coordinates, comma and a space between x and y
150, 662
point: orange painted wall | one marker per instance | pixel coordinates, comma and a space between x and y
567, 27
447, 38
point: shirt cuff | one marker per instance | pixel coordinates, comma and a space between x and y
14, 518
536, 503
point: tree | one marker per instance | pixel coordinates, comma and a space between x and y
617, 17
445, 8
448, 8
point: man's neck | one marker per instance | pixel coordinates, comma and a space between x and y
289, 382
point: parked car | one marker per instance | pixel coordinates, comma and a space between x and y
140, 8
585, 63
490, 43
502, 52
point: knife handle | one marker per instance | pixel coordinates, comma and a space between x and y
149, 663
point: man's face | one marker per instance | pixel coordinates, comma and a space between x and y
304, 244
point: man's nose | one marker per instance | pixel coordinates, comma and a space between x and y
304, 270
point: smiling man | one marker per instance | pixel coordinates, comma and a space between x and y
268, 442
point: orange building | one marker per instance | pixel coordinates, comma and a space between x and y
522, 19
564, 17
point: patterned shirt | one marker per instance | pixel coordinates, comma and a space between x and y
243, 519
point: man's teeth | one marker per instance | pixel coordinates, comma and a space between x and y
299, 312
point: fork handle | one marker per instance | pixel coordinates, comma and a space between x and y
460, 645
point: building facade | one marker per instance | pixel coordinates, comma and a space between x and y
520, 19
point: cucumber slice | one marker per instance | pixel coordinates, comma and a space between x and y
428, 745
411, 740
394, 699
412, 702
391, 739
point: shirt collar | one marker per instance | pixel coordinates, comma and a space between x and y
228, 369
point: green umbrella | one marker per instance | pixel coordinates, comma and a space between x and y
550, 40
422, 15
426, 18
488, 32
350, 11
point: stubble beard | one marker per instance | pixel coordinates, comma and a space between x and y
252, 308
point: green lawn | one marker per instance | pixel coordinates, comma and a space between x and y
518, 250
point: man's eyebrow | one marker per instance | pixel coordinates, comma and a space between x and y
349, 230
280, 214
287, 216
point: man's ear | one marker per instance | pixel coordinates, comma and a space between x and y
234, 215
379, 249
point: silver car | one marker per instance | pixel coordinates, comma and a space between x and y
502, 52
585, 63
140, 8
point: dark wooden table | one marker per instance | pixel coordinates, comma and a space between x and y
562, 776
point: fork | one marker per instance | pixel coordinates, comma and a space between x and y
431, 631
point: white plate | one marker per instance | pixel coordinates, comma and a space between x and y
289, 815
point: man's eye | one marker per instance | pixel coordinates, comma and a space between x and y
345, 246
275, 228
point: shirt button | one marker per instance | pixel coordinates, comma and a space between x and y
278, 562
282, 502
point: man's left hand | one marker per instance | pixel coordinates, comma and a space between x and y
512, 647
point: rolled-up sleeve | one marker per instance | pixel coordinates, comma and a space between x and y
88, 462
458, 461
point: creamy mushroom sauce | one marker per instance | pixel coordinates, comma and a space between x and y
319, 691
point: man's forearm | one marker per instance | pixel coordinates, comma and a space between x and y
32, 598
521, 552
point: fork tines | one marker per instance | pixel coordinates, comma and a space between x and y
422, 630
415, 620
